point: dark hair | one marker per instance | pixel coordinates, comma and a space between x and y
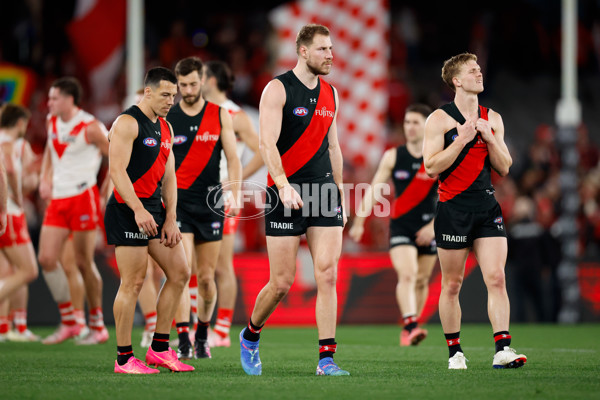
420, 108
188, 65
307, 33
11, 114
157, 74
222, 73
71, 87
452, 66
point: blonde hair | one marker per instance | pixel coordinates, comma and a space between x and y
452, 66
307, 33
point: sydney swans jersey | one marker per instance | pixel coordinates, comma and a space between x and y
307, 117
75, 161
197, 149
233, 109
467, 182
17, 161
416, 192
149, 155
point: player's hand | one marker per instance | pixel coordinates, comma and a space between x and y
357, 231
232, 206
466, 131
483, 126
290, 197
45, 190
425, 236
145, 222
170, 234
2, 222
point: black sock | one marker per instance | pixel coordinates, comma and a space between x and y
124, 353
410, 322
183, 331
252, 332
160, 342
327, 348
202, 330
502, 339
453, 341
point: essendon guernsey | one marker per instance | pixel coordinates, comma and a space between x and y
307, 117
197, 148
467, 183
149, 156
416, 192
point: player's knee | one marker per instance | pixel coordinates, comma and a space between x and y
31, 274
452, 286
496, 280
47, 261
281, 288
328, 277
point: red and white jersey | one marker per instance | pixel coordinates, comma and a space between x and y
17, 160
233, 109
75, 161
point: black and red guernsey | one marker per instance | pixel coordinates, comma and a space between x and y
197, 148
416, 192
149, 155
307, 117
467, 183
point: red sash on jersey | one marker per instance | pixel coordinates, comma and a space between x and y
146, 185
200, 151
59, 146
416, 191
468, 170
311, 139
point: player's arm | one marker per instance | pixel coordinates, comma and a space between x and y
435, 157
382, 175
97, 135
336, 158
31, 164
242, 125
122, 135
500, 158
12, 175
3, 196
234, 166
45, 189
170, 234
270, 118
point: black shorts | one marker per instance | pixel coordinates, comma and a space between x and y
121, 228
322, 207
405, 232
455, 229
202, 216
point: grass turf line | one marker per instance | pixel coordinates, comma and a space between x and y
563, 362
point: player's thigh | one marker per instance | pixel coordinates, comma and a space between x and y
224, 263
491, 255
189, 247
325, 244
171, 260
84, 244
5, 267
22, 257
207, 254
282, 252
452, 262
404, 260
52, 240
132, 263
426, 263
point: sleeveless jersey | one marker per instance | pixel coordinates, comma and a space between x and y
17, 160
467, 183
75, 162
197, 149
233, 109
416, 192
149, 154
307, 117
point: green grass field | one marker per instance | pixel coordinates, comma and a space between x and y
564, 363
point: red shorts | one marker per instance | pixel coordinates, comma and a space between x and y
77, 213
16, 231
230, 224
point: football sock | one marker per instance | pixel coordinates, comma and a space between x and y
202, 330
502, 339
96, 319
124, 353
20, 320
160, 342
67, 315
183, 331
410, 322
327, 348
150, 321
453, 341
252, 334
224, 317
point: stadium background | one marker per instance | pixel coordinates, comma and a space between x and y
386, 55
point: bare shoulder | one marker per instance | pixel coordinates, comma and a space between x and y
274, 91
439, 120
389, 157
494, 117
125, 125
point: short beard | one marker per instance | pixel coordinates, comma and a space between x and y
194, 100
316, 71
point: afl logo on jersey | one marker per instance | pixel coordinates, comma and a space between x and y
498, 220
181, 139
215, 225
401, 174
300, 111
150, 142
454, 137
